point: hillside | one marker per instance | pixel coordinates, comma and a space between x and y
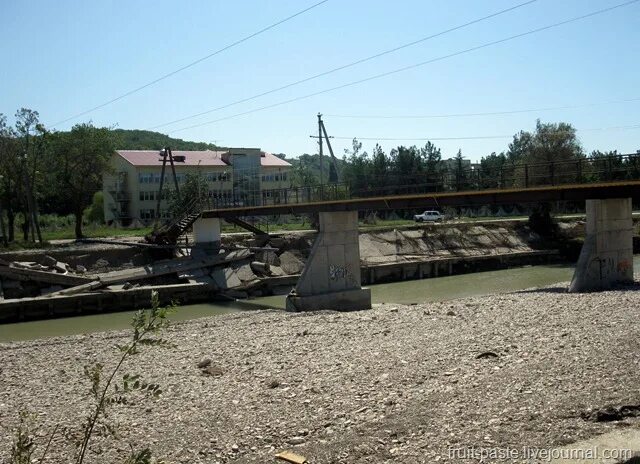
134, 139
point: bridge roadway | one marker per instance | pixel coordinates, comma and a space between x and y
565, 192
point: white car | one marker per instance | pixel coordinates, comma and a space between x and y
428, 216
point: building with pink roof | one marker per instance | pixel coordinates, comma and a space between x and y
132, 188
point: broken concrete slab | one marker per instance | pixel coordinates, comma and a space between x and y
290, 263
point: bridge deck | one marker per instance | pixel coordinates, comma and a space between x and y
565, 192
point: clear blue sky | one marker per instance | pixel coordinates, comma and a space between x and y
63, 57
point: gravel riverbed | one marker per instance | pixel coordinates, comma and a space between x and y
394, 384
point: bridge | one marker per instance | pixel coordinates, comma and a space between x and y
331, 278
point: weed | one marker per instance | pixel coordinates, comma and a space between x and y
106, 391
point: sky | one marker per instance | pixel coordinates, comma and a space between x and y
62, 58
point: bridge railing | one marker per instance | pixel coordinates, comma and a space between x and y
283, 196
518, 175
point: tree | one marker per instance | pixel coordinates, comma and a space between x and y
550, 155
380, 164
32, 146
302, 174
356, 169
460, 172
9, 176
432, 158
608, 165
81, 156
95, 212
491, 168
194, 190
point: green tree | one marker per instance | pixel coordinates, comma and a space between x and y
491, 169
31, 136
356, 169
302, 174
460, 173
380, 164
81, 157
95, 212
10, 175
193, 192
432, 157
607, 165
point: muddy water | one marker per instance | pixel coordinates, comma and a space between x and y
414, 291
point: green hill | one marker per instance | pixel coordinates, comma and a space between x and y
134, 139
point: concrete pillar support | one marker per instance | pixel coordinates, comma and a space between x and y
331, 278
606, 257
206, 232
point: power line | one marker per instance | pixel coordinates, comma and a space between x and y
349, 65
490, 113
413, 66
479, 137
193, 63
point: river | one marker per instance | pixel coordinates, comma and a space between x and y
412, 291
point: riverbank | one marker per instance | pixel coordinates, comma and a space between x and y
106, 277
393, 384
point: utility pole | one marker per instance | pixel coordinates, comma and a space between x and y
320, 144
333, 167
166, 154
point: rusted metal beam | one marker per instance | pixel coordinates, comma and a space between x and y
567, 192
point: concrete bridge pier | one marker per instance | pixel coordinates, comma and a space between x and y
206, 232
331, 277
606, 257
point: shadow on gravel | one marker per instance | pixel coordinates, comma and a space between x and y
633, 460
564, 289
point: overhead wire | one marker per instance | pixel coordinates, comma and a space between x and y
487, 113
193, 63
410, 67
479, 137
346, 66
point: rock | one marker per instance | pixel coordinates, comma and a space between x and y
225, 277
290, 263
214, 371
451, 313
296, 440
260, 268
273, 383
277, 242
101, 263
245, 273
80, 269
48, 261
269, 257
487, 355
204, 363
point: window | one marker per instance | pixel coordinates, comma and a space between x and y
147, 213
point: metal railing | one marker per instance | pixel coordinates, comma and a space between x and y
520, 175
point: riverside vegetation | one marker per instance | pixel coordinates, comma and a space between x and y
60, 173
147, 325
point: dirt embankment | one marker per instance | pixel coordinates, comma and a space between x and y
285, 254
396, 384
